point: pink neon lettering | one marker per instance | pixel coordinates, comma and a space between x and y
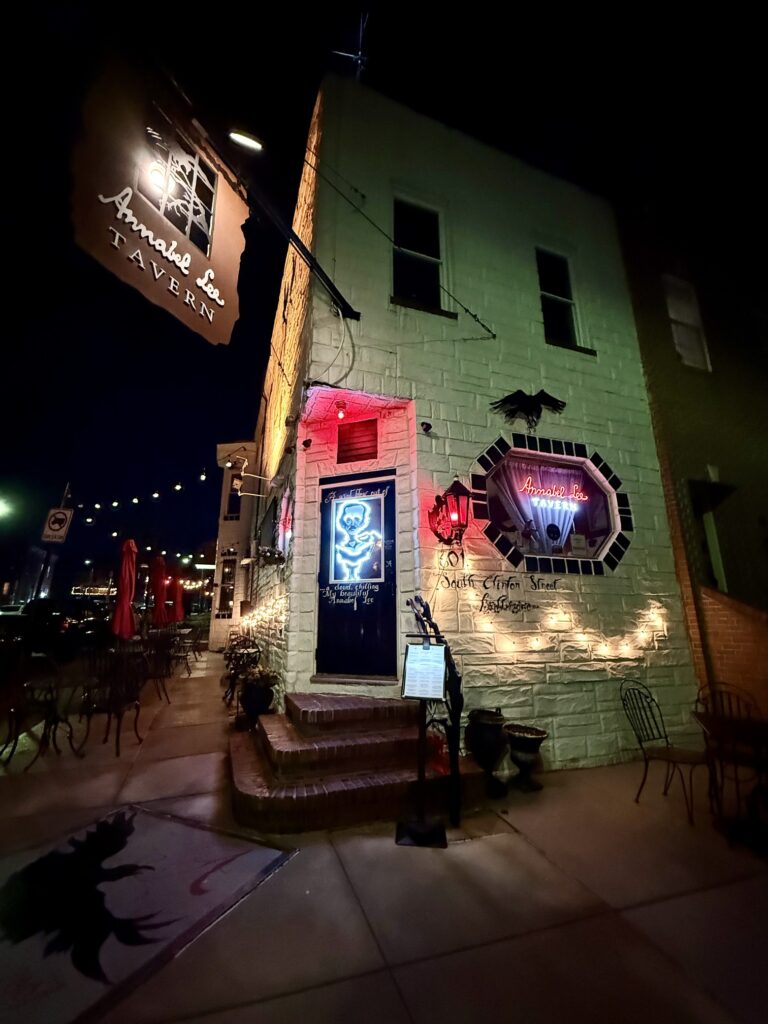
556, 491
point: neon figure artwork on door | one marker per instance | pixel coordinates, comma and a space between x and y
357, 622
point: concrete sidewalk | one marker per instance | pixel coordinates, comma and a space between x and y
573, 903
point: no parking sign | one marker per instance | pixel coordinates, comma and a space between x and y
57, 525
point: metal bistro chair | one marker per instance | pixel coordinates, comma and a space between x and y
644, 714
729, 760
194, 643
35, 697
114, 687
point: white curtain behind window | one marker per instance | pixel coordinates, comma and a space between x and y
510, 479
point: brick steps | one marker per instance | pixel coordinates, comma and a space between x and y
314, 712
290, 751
333, 761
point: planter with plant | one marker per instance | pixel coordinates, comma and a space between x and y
257, 691
270, 556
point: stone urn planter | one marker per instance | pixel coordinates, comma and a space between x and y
486, 741
257, 692
524, 742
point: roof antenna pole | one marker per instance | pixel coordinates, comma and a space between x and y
357, 58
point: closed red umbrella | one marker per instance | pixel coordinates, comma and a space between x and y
176, 596
178, 601
122, 621
158, 586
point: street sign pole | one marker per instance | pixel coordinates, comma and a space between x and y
55, 530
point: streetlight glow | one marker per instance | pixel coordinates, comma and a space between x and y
247, 141
5, 508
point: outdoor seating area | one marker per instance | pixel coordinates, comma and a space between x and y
734, 752
45, 698
575, 897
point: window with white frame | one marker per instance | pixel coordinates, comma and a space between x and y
227, 588
557, 305
232, 507
685, 319
416, 257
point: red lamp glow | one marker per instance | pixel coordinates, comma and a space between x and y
449, 516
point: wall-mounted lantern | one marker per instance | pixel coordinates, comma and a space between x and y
449, 516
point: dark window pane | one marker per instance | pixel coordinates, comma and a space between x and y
268, 528
553, 274
558, 322
227, 585
233, 502
416, 280
417, 229
204, 193
199, 237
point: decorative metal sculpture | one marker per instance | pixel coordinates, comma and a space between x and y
528, 407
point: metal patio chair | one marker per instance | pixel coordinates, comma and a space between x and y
644, 714
114, 687
36, 697
729, 760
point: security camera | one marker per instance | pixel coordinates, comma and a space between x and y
426, 427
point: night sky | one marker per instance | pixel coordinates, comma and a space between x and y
106, 391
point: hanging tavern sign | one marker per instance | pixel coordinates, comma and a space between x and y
153, 203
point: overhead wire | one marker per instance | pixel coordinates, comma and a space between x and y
389, 238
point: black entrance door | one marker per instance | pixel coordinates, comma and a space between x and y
357, 620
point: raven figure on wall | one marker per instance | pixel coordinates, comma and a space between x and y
527, 406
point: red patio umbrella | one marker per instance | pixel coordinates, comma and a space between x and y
122, 621
158, 586
176, 595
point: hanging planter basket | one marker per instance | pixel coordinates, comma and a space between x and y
270, 556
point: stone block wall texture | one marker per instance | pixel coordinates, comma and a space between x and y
556, 650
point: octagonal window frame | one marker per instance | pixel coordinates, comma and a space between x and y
557, 451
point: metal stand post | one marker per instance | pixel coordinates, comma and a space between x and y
421, 831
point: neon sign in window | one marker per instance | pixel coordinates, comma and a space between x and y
548, 506
356, 547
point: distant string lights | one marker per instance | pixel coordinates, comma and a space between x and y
175, 486
101, 513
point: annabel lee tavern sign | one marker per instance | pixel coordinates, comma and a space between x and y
155, 205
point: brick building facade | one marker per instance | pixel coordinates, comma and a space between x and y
476, 276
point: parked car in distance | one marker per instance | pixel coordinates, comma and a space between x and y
59, 628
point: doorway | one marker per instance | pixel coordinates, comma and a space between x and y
357, 613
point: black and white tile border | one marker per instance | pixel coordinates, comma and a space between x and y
613, 550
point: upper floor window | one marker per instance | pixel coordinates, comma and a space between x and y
232, 507
416, 258
685, 318
557, 305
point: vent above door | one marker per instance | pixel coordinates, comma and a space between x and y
358, 441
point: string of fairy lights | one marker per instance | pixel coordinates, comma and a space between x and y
109, 514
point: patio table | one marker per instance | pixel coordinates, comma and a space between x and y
742, 743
